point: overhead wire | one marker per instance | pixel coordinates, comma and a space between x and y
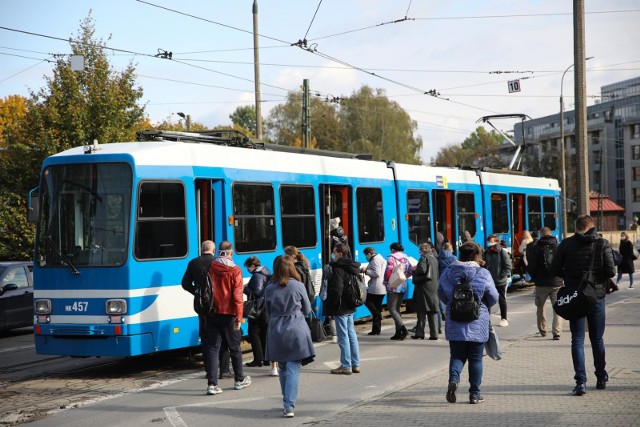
312, 19
22, 71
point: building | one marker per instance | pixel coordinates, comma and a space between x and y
613, 131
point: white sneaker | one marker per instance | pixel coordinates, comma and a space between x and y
274, 372
334, 339
213, 389
503, 322
246, 382
288, 413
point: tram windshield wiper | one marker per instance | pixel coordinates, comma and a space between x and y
66, 259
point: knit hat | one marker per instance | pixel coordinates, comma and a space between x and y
334, 223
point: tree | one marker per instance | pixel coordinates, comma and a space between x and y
480, 148
71, 109
13, 110
245, 117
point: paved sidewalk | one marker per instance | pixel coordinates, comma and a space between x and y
530, 386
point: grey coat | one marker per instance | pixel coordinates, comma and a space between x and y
425, 294
288, 335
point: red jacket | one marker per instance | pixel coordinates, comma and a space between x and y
227, 289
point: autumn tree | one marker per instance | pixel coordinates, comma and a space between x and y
13, 110
480, 148
72, 108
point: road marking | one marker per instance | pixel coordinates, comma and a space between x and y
173, 414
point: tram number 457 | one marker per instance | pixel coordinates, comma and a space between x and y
78, 306
514, 86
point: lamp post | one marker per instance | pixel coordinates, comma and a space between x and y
564, 154
187, 119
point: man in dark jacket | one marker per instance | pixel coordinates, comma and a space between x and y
338, 305
498, 261
570, 262
539, 257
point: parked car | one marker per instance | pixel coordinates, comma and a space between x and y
16, 294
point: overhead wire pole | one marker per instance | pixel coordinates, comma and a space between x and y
306, 130
582, 152
256, 67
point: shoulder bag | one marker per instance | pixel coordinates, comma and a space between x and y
492, 346
574, 303
397, 277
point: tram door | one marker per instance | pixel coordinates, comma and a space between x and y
210, 210
517, 222
445, 218
335, 202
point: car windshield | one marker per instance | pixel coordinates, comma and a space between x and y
85, 215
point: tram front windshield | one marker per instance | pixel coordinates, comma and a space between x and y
85, 214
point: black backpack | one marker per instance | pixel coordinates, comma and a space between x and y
203, 302
464, 307
547, 252
355, 290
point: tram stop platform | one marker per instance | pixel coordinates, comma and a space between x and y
530, 386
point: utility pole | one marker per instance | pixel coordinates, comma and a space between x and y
256, 68
582, 151
306, 128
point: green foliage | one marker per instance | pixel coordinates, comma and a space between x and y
72, 108
480, 148
245, 117
365, 122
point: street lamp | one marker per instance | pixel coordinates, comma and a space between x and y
187, 119
564, 155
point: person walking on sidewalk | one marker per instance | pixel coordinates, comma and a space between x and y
342, 308
375, 289
225, 322
467, 339
425, 294
626, 266
395, 295
540, 256
570, 262
288, 336
498, 261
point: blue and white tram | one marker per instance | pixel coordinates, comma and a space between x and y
119, 222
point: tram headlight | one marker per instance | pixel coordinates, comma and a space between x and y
116, 307
42, 306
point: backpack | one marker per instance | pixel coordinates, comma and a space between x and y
547, 252
355, 290
203, 302
464, 307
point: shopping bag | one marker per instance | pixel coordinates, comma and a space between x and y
492, 346
316, 328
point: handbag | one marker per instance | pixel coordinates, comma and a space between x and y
316, 328
251, 309
574, 303
492, 346
397, 277
635, 253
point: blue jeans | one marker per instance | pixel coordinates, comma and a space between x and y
595, 322
289, 373
461, 352
347, 341
443, 309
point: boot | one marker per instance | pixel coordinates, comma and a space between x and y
403, 332
397, 335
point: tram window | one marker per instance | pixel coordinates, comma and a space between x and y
370, 218
298, 216
253, 212
549, 207
533, 210
161, 230
419, 216
466, 214
499, 213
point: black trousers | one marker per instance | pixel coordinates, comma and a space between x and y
219, 328
374, 304
258, 337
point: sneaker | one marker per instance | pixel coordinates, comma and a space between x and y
288, 413
556, 337
334, 339
274, 372
341, 371
503, 322
213, 389
579, 390
601, 384
451, 392
475, 398
246, 382
355, 369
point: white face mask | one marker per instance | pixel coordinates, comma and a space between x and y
333, 256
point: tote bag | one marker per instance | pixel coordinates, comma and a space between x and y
316, 328
492, 346
397, 277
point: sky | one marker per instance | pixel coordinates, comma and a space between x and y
466, 51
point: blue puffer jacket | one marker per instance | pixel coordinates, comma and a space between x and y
483, 289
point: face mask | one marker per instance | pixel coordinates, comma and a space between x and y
333, 256
368, 257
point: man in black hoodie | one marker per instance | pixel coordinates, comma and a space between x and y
338, 305
539, 258
570, 262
